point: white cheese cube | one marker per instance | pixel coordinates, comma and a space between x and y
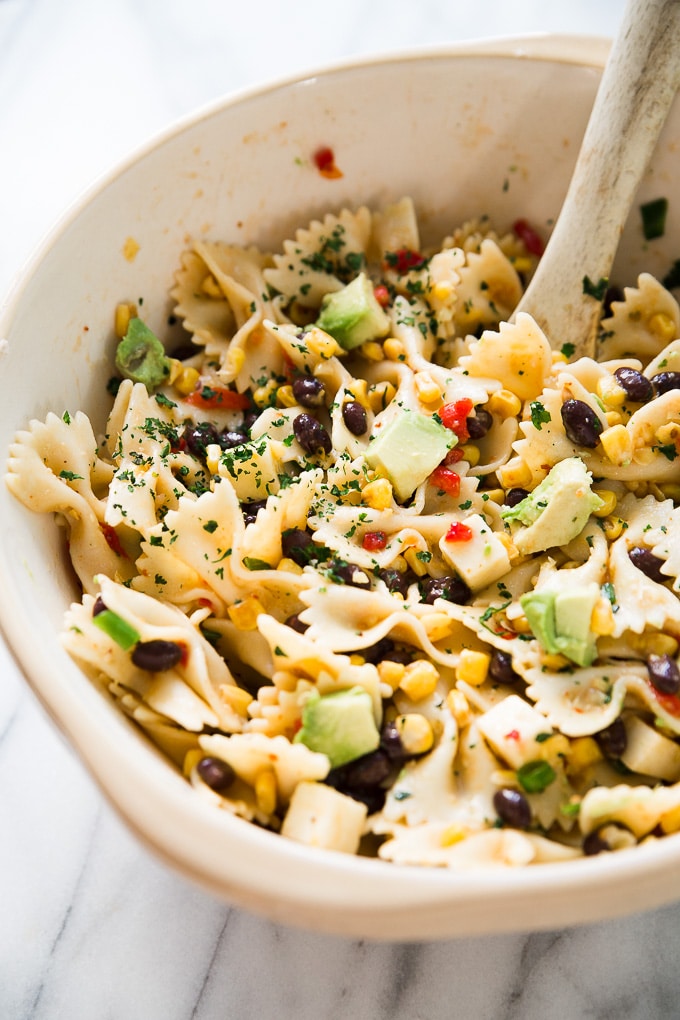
320, 816
480, 560
511, 728
649, 752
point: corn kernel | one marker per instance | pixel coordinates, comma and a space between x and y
452, 834
415, 563
473, 667
213, 452
186, 381
415, 732
583, 752
264, 395
191, 760
285, 563
504, 403
322, 344
356, 659
236, 359
613, 528
372, 351
510, 547
459, 707
265, 791
124, 312
236, 698
210, 287
285, 397
663, 326
357, 390
602, 618
617, 444
244, 614
654, 643
419, 680
438, 626
428, 390
380, 395
610, 392
391, 673
515, 474
377, 494
496, 495
668, 433
523, 264
558, 358
555, 661
671, 490
394, 349
608, 500
554, 748
614, 418
442, 290
471, 454
670, 820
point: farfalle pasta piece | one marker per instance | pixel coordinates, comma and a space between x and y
489, 289
395, 228
638, 808
322, 257
518, 353
441, 846
54, 467
640, 325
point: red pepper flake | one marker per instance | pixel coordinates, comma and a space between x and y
533, 242
512, 735
112, 540
403, 260
373, 541
381, 295
208, 397
459, 533
446, 480
324, 159
454, 416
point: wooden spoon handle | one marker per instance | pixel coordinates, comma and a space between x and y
638, 85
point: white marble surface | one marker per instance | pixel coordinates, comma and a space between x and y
90, 925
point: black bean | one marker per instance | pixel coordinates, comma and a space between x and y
99, 606
613, 739
664, 673
665, 381
229, 438
648, 563
215, 773
368, 771
512, 807
199, 437
637, 386
612, 294
581, 424
348, 573
451, 588
298, 545
311, 435
156, 655
354, 417
251, 510
377, 652
392, 744
479, 423
249, 420
397, 580
594, 844
515, 496
609, 836
500, 668
309, 391
295, 623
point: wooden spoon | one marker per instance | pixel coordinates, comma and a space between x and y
638, 85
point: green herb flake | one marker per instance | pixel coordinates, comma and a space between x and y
252, 563
536, 776
654, 218
595, 290
210, 527
70, 476
568, 350
539, 415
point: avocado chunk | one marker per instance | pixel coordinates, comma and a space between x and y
408, 449
557, 510
352, 315
140, 356
340, 725
561, 621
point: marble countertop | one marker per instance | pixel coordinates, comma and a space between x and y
92, 926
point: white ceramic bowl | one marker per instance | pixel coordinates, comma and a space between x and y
492, 128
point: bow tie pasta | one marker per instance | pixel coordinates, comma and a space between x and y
374, 566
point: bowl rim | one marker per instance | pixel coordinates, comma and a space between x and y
428, 890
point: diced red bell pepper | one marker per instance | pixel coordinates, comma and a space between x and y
324, 159
381, 295
446, 480
459, 533
454, 416
533, 242
403, 260
669, 702
210, 397
373, 541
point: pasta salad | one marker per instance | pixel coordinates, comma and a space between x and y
373, 565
